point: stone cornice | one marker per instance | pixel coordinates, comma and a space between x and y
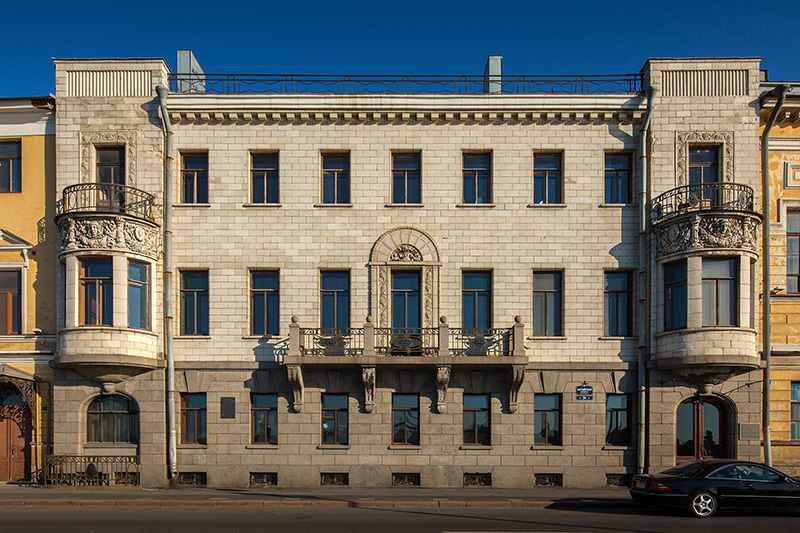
400, 109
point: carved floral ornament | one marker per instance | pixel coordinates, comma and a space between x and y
405, 253
722, 139
109, 233
92, 139
699, 232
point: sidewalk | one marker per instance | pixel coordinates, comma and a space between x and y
399, 497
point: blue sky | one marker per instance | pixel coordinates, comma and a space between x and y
410, 37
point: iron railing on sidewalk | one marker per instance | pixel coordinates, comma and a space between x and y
91, 470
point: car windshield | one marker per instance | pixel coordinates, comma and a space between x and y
685, 469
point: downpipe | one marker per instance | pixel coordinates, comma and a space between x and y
766, 333
172, 434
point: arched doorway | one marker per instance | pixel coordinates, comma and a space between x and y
15, 434
701, 429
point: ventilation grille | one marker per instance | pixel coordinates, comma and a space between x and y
109, 83
705, 83
338, 479
619, 480
410, 479
192, 478
549, 480
478, 480
263, 479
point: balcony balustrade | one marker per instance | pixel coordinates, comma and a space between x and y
106, 198
703, 197
440, 349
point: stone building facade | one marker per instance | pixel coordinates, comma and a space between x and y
371, 283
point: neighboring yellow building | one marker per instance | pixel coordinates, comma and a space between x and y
784, 170
27, 283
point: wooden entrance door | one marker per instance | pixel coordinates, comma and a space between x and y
15, 435
701, 430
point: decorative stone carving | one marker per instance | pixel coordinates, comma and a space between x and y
723, 139
404, 245
90, 139
405, 253
515, 380
368, 378
442, 381
295, 375
706, 231
109, 233
28, 391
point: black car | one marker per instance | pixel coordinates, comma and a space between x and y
705, 486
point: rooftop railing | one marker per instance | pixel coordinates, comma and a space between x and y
703, 197
106, 198
403, 84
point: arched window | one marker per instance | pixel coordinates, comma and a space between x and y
701, 429
112, 419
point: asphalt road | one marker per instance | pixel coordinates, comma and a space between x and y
91, 519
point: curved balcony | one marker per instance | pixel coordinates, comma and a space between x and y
107, 198
108, 354
107, 217
707, 355
703, 197
705, 216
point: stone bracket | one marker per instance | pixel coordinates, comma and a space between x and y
295, 374
442, 381
368, 378
516, 377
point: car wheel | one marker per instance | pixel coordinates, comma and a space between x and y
703, 505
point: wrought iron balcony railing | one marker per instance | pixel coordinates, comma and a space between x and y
492, 342
326, 341
407, 341
420, 342
403, 84
106, 198
703, 197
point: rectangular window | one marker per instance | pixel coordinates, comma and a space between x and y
477, 429
193, 418
264, 302
334, 419
675, 295
795, 424
194, 170
194, 302
618, 179
477, 172
10, 302
138, 295
547, 304
111, 165
476, 300
793, 252
264, 411
702, 165
547, 178
618, 296
405, 419
10, 166
97, 294
264, 174
547, 419
336, 299
336, 178
406, 178
720, 292
618, 420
